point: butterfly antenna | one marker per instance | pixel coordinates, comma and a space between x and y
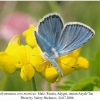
42, 63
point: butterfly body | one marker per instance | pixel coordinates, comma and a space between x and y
52, 58
56, 39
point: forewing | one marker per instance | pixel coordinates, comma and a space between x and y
44, 46
50, 28
74, 35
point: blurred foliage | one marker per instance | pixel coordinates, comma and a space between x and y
81, 11
86, 84
95, 63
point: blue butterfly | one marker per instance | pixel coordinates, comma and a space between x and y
56, 39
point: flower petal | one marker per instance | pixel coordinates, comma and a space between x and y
28, 53
29, 34
27, 72
50, 74
67, 65
11, 49
76, 53
15, 40
17, 54
13, 44
37, 59
6, 63
59, 78
82, 63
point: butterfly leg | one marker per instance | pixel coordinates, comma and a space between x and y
42, 63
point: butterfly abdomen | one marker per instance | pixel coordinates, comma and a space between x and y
54, 63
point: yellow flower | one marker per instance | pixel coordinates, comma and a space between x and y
67, 63
15, 57
27, 72
30, 38
26, 59
6, 63
82, 63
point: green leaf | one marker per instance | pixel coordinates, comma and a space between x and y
63, 87
86, 84
88, 87
69, 82
96, 88
67, 86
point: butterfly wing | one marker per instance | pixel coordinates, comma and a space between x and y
43, 44
52, 34
49, 29
74, 35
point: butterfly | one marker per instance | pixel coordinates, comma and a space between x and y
56, 39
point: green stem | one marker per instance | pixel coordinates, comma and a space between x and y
49, 86
33, 84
